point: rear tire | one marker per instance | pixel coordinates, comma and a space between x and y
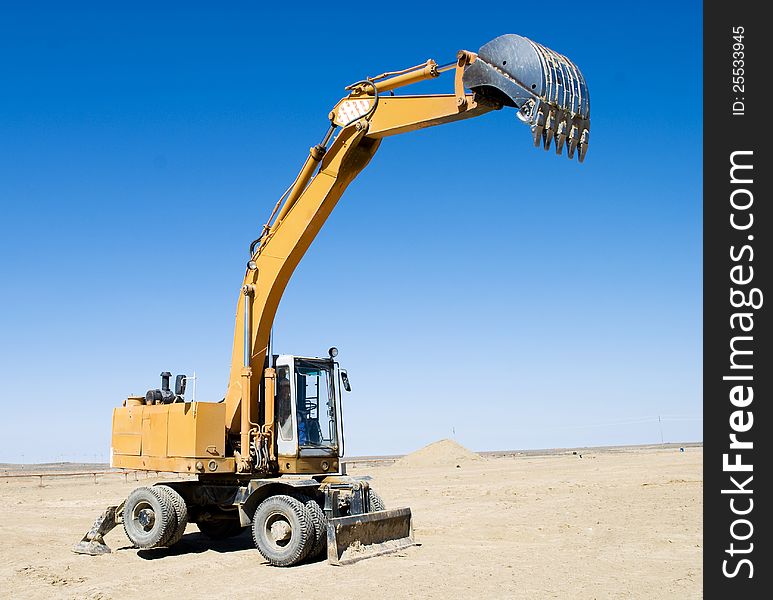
282, 530
181, 511
148, 517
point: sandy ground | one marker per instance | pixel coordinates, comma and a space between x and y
623, 524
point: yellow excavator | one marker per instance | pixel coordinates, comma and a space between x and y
268, 456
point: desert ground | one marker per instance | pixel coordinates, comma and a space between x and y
601, 523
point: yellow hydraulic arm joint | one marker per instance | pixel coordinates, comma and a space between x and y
307, 172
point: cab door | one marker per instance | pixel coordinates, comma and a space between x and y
286, 419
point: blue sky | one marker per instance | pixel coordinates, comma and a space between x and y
477, 287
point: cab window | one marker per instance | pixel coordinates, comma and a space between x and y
315, 405
283, 403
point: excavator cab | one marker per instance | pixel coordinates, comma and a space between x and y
308, 414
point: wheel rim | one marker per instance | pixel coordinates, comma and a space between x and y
278, 530
143, 516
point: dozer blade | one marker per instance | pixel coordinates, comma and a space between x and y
93, 543
357, 537
547, 88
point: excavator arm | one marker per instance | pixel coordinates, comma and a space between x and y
547, 90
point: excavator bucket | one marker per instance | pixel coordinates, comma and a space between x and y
547, 88
356, 537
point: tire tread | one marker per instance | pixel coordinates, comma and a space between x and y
319, 520
181, 512
165, 517
305, 534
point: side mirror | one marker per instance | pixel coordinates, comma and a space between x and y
345, 380
179, 385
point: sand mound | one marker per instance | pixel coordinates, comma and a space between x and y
441, 453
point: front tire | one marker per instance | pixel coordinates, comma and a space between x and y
319, 521
282, 530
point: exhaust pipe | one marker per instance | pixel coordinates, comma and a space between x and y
546, 88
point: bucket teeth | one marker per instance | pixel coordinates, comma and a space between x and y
539, 126
574, 139
550, 129
560, 137
583, 147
